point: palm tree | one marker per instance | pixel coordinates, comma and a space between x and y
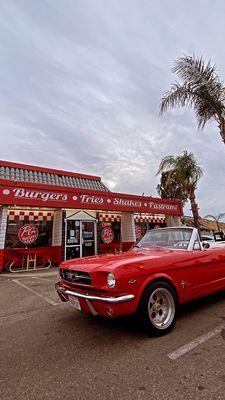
216, 217
201, 89
187, 173
169, 188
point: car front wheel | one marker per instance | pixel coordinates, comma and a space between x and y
159, 308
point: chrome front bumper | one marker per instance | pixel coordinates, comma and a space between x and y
112, 300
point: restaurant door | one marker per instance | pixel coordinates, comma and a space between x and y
80, 238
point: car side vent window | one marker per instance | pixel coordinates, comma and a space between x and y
197, 245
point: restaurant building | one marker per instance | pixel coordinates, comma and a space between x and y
48, 215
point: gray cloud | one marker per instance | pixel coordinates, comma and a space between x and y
81, 84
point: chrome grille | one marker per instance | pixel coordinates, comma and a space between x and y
80, 277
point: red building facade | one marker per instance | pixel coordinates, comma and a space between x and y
48, 214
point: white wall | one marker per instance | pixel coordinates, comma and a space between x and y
57, 228
3, 225
128, 227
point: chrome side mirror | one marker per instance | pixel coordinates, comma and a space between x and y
205, 245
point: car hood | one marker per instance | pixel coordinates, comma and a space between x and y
109, 262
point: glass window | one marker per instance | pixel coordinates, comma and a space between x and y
140, 229
177, 238
110, 232
197, 245
42, 229
73, 232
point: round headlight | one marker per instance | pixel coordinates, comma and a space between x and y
111, 280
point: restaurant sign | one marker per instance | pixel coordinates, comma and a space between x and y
88, 200
107, 235
28, 234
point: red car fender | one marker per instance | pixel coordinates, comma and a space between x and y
152, 278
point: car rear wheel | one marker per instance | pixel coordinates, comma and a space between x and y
159, 308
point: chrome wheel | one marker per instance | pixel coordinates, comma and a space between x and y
161, 308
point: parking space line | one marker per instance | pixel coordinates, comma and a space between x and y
195, 343
53, 303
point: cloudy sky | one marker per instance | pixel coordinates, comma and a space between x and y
81, 82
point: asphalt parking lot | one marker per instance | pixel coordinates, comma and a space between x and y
49, 350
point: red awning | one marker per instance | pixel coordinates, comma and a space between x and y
109, 218
27, 215
156, 219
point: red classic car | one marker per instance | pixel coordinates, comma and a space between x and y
165, 268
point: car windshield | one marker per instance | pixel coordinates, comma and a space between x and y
173, 238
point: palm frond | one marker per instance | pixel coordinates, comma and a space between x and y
200, 88
179, 95
167, 163
195, 71
207, 105
221, 215
184, 168
204, 111
210, 216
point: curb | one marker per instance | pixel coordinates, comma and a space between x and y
26, 274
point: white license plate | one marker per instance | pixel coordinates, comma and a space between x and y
75, 302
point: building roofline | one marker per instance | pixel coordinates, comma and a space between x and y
47, 170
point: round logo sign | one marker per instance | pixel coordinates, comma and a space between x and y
107, 235
28, 234
138, 231
157, 226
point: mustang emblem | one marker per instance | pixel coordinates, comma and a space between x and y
184, 284
72, 275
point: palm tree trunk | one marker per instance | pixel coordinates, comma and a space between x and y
222, 128
194, 209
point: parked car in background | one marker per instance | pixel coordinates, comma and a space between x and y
207, 238
167, 267
216, 241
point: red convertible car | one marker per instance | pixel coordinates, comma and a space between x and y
166, 267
